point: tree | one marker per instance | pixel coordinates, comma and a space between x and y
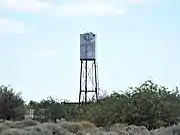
149, 104
52, 109
153, 106
11, 104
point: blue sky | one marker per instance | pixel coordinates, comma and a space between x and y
40, 50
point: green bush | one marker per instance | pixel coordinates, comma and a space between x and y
11, 104
148, 105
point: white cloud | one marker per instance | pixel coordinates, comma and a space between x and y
10, 26
45, 53
26, 5
90, 8
73, 7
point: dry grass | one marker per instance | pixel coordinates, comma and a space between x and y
30, 127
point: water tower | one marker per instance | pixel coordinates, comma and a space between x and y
88, 69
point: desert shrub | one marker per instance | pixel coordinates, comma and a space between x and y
19, 124
76, 127
111, 133
94, 132
9, 124
141, 130
173, 130
61, 131
51, 126
71, 126
38, 130
99, 132
3, 127
85, 128
87, 125
13, 131
117, 126
29, 122
57, 129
